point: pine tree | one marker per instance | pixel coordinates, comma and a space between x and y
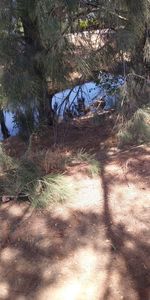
34, 49
37, 57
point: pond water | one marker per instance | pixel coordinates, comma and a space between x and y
89, 91
10, 125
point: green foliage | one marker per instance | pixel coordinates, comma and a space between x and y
32, 51
92, 163
134, 112
24, 178
136, 130
20, 178
86, 24
25, 122
39, 176
147, 50
50, 189
134, 94
37, 56
83, 24
6, 162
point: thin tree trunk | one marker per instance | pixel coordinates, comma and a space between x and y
46, 112
4, 128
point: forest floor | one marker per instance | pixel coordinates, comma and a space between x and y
95, 247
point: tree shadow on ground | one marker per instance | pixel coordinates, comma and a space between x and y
132, 252
137, 163
35, 247
37, 243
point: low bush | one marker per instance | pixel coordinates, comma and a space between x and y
136, 130
26, 179
51, 160
39, 176
6, 162
50, 189
93, 165
24, 121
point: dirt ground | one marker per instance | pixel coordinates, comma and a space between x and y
95, 247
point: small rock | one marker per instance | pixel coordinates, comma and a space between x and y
6, 198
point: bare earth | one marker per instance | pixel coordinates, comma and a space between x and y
94, 248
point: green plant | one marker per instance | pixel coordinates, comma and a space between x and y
51, 160
136, 130
25, 122
6, 162
17, 179
26, 178
7, 165
93, 164
50, 189
38, 176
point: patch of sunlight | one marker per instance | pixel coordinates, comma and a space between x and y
15, 210
129, 192
9, 254
87, 260
112, 151
71, 290
79, 277
39, 226
4, 290
114, 168
61, 211
88, 193
129, 244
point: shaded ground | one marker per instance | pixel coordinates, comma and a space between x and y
94, 248
77, 134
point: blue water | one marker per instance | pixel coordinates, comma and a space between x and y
10, 125
89, 91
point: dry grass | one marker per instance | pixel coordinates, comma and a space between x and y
51, 160
58, 159
136, 130
40, 176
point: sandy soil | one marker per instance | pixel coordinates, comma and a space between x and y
95, 247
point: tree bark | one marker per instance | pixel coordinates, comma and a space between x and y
4, 128
32, 38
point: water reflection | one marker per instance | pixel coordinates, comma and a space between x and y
90, 92
106, 90
10, 125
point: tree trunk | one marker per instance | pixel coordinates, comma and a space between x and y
4, 128
138, 58
32, 38
51, 113
46, 112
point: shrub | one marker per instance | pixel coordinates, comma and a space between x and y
136, 130
25, 179
50, 160
6, 162
25, 122
39, 176
93, 164
18, 178
50, 189
57, 160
